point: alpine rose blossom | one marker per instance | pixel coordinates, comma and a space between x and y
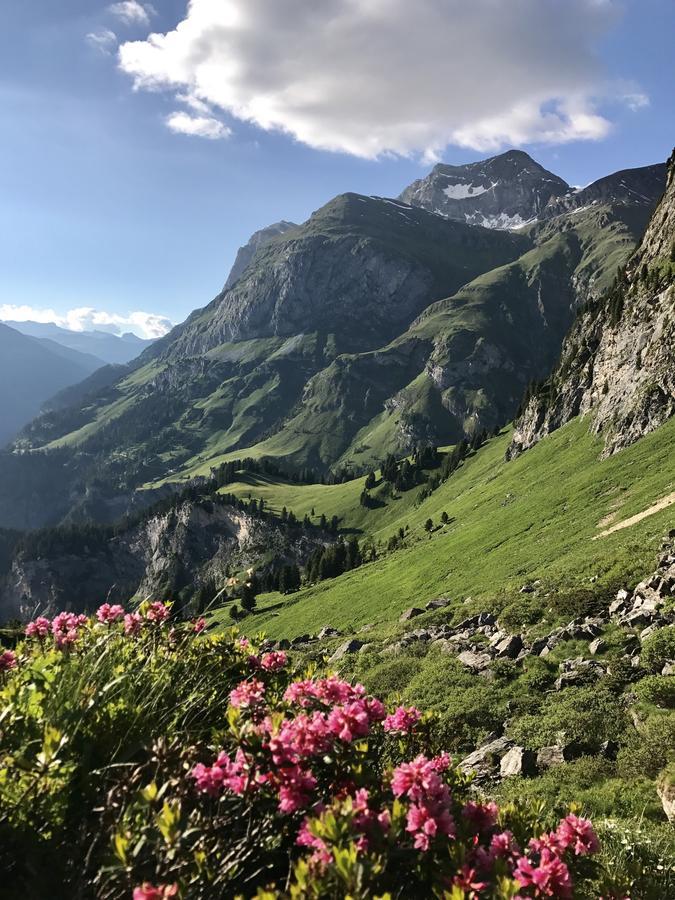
66, 629
147, 891
133, 622
248, 693
549, 878
402, 720
273, 661
38, 628
7, 660
199, 625
577, 834
109, 614
157, 613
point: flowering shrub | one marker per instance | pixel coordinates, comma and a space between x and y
146, 760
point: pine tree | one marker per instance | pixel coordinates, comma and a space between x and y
429, 525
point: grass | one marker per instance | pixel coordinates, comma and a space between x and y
509, 523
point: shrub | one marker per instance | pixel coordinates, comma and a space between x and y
586, 715
137, 758
650, 749
658, 649
657, 689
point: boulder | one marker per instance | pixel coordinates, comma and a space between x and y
547, 757
578, 671
518, 761
484, 762
527, 589
537, 646
597, 646
328, 632
438, 603
668, 669
301, 639
410, 614
475, 661
665, 788
351, 646
509, 647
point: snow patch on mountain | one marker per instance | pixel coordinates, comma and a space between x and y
463, 191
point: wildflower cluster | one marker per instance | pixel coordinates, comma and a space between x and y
67, 628
313, 754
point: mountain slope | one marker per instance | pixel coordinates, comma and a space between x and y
31, 371
618, 362
109, 348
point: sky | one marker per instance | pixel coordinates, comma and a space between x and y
141, 144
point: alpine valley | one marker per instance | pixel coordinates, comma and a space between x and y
453, 407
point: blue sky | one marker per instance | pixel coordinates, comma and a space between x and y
105, 207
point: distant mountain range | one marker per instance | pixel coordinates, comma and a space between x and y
39, 360
375, 326
30, 372
108, 348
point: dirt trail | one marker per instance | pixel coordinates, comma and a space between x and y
626, 523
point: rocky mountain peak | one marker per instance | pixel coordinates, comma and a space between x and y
258, 239
504, 191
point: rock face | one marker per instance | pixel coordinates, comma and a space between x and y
257, 240
505, 191
184, 547
618, 362
629, 186
361, 268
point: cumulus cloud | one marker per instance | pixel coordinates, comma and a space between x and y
371, 77
86, 318
131, 12
199, 126
104, 40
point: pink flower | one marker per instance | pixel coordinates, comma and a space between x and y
296, 788
349, 721
402, 720
550, 878
243, 643
469, 881
503, 845
248, 693
133, 622
39, 628
199, 625
147, 891
417, 779
481, 816
8, 660
273, 661
109, 614
578, 834
66, 628
427, 819
157, 613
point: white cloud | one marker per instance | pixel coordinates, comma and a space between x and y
131, 12
199, 126
86, 318
104, 40
371, 77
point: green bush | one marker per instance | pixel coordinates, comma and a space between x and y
658, 649
657, 689
650, 749
586, 715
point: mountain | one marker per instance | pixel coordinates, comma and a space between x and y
31, 371
618, 362
629, 186
108, 348
372, 328
512, 190
505, 191
258, 239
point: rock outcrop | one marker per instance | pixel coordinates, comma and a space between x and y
618, 361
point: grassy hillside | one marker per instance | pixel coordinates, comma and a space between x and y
536, 517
